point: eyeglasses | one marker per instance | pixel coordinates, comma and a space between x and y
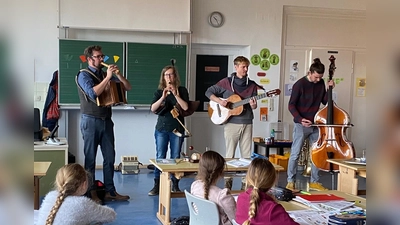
98, 56
169, 74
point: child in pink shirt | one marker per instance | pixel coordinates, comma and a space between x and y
255, 206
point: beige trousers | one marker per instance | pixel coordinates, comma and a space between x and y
238, 133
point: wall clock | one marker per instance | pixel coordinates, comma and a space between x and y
216, 19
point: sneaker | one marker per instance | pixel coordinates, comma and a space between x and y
290, 185
317, 186
154, 191
114, 196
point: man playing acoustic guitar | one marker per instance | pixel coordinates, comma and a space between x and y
237, 128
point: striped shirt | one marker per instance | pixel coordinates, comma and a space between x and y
306, 99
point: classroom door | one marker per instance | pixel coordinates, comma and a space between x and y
209, 70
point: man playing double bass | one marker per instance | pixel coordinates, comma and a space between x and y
96, 125
307, 95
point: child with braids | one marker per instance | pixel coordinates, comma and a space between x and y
67, 205
255, 206
211, 169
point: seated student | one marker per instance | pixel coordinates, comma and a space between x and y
255, 206
211, 168
67, 205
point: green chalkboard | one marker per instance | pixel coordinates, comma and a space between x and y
144, 65
71, 60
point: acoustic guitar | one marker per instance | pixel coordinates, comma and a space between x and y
220, 114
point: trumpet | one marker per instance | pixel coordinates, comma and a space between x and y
106, 65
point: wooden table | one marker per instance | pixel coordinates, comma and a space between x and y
347, 177
39, 170
279, 145
165, 195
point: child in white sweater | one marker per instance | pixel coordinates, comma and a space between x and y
68, 206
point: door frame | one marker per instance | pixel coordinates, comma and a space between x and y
231, 51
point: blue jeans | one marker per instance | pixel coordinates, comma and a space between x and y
95, 132
299, 134
175, 144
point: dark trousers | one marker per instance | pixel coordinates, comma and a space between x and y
95, 132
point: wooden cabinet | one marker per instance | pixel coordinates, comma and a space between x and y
57, 155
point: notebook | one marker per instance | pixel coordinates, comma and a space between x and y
356, 161
319, 197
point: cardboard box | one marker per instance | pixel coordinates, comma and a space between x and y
258, 139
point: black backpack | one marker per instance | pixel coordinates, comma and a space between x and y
100, 189
182, 220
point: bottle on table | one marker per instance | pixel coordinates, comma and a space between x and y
272, 136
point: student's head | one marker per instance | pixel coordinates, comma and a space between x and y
261, 176
317, 70
241, 66
94, 56
71, 179
169, 74
211, 168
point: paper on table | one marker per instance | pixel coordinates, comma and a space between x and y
310, 216
166, 161
334, 205
239, 162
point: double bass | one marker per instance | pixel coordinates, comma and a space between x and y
332, 122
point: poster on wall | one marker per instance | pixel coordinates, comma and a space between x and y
255, 59
265, 59
263, 113
293, 77
361, 86
264, 81
288, 89
294, 66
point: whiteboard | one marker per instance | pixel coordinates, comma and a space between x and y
137, 15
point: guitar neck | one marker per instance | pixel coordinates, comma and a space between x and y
247, 100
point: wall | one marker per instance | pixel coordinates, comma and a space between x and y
256, 24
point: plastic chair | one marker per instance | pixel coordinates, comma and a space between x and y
234, 222
202, 211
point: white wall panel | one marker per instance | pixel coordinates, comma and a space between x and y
146, 15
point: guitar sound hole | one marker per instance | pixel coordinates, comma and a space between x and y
229, 105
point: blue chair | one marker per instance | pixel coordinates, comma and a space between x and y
202, 211
234, 222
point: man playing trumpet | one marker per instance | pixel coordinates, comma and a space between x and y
96, 125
